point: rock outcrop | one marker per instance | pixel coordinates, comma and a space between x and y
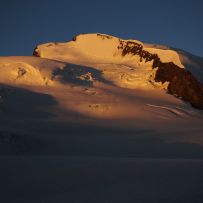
182, 83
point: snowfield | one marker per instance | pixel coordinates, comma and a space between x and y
88, 121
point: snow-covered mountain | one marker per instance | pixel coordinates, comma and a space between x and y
108, 77
97, 70
132, 64
101, 117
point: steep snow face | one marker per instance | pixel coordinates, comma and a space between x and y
192, 63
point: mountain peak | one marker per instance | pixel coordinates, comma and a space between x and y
149, 66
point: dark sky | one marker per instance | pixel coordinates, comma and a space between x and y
25, 23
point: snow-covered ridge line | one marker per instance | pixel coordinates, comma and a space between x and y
101, 48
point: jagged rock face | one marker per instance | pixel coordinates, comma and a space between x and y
134, 48
182, 83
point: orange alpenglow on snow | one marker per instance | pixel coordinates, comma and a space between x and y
98, 77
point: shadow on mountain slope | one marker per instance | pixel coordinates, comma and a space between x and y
81, 140
23, 103
78, 75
